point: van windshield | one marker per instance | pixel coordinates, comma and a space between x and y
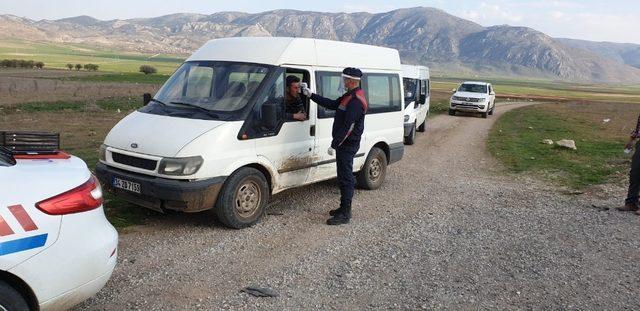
410, 90
473, 88
210, 88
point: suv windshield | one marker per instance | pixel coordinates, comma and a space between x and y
208, 89
473, 88
410, 90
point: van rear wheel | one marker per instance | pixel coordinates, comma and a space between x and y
374, 170
243, 198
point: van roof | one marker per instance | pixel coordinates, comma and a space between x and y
298, 51
415, 72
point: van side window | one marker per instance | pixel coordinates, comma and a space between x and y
305, 77
424, 88
383, 92
329, 85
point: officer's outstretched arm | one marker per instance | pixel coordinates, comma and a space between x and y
353, 111
325, 102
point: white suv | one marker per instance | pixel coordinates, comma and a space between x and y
473, 97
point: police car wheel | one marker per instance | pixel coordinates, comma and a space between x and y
243, 198
374, 170
10, 299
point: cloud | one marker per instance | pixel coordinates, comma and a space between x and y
492, 13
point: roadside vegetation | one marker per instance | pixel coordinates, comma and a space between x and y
599, 131
83, 126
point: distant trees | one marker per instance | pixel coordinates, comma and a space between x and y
91, 67
20, 63
147, 69
78, 67
70, 66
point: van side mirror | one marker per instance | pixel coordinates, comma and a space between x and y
146, 98
423, 99
492, 93
269, 116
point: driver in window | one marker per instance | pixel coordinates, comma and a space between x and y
293, 104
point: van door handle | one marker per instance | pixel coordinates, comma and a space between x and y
312, 130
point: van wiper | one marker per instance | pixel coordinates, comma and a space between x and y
159, 102
207, 111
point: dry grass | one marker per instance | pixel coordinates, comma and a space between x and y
24, 90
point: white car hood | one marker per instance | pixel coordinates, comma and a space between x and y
471, 94
155, 134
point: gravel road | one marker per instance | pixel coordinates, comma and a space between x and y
448, 230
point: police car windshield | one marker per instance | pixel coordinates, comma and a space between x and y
218, 87
473, 88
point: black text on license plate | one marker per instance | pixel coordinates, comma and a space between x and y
126, 185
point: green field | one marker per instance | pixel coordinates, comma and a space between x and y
58, 55
516, 140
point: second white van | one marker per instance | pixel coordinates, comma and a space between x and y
215, 135
416, 100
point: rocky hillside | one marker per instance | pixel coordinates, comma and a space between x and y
423, 35
626, 53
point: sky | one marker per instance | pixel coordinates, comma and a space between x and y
612, 20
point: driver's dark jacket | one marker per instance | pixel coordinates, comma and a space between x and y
293, 106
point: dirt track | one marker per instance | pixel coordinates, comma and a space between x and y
447, 230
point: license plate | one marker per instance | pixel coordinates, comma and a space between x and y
126, 185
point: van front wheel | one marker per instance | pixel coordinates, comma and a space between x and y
243, 198
374, 170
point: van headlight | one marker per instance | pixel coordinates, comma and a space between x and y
180, 166
102, 155
406, 118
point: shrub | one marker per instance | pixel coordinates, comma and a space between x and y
91, 67
70, 66
146, 69
78, 67
39, 65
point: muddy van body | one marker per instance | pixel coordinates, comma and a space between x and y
215, 135
417, 89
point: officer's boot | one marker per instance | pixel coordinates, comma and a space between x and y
336, 211
340, 217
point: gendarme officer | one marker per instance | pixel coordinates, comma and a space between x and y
348, 125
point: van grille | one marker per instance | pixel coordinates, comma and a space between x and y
134, 161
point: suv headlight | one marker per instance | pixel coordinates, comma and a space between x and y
481, 100
180, 166
102, 155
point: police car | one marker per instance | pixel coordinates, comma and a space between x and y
56, 246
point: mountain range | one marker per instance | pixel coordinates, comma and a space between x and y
422, 35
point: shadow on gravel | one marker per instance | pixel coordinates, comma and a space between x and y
292, 202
